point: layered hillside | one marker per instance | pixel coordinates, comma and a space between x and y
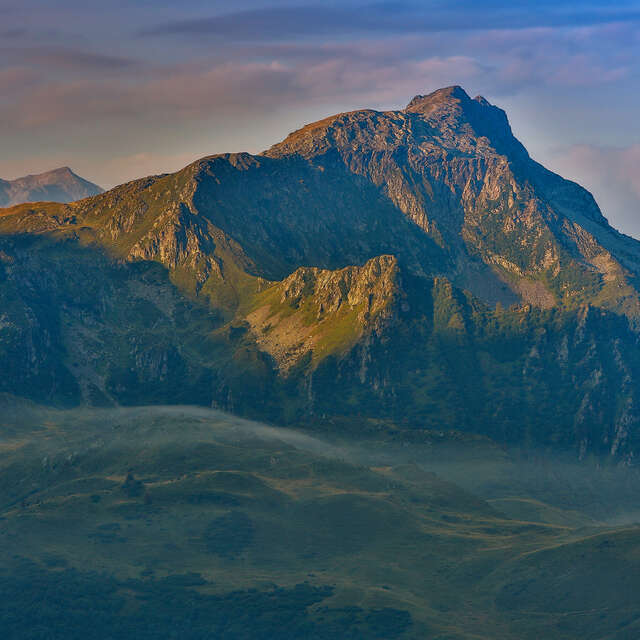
415, 265
58, 185
158, 522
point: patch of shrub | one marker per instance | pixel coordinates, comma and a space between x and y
38, 604
230, 534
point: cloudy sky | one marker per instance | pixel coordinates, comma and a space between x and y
117, 89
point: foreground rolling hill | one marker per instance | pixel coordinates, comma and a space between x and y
189, 523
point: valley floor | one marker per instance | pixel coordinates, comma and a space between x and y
188, 523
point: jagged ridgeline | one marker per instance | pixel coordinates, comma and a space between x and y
415, 265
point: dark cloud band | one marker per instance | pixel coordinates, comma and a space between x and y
391, 18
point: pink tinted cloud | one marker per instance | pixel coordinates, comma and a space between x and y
552, 57
17, 79
184, 92
370, 71
612, 175
197, 91
610, 165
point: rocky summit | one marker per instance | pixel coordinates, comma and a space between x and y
416, 266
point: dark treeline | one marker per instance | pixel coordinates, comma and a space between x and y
41, 604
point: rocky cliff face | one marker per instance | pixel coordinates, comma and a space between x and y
314, 311
453, 167
59, 185
413, 264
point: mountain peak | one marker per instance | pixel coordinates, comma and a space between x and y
430, 101
51, 174
67, 171
453, 117
57, 185
457, 115
454, 104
